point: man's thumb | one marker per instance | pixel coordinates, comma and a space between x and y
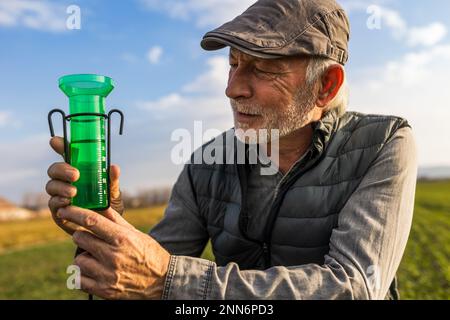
114, 174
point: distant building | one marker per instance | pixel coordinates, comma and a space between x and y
9, 211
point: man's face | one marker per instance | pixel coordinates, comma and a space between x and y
269, 93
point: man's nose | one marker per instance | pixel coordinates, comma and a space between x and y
238, 84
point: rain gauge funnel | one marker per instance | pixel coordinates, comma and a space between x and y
89, 147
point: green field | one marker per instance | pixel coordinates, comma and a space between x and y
34, 254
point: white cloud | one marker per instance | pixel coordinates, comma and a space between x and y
39, 15
7, 120
428, 35
202, 99
154, 54
211, 82
24, 164
394, 21
4, 118
411, 87
204, 12
351, 6
413, 68
173, 100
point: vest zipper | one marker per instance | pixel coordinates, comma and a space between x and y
266, 253
266, 241
290, 177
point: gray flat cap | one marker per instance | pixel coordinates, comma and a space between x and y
273, 29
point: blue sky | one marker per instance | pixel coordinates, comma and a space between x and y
165, 81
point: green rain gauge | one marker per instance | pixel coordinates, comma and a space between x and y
88, 150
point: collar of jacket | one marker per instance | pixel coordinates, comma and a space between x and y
323, 130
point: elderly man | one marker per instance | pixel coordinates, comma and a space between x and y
331, 223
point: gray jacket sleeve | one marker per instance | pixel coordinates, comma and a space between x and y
365, 249
182, 231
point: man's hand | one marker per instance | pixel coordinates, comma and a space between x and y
120, 262
61, 190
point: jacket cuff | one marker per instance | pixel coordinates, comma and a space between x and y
187, 278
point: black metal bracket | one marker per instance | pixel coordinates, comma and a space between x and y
66, 143
108, 157
52, 131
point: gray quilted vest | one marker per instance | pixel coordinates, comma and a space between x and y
342, 151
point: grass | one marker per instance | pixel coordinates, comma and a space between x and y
37, 273
34, 254
425, 269
19, 234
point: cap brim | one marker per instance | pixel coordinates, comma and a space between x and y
211, 43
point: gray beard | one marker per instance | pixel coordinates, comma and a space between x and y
293, 118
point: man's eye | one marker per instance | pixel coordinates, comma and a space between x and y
263, 72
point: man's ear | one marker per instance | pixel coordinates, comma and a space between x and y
330, 83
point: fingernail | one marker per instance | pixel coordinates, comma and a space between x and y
60, 212
64, 200
70, 173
